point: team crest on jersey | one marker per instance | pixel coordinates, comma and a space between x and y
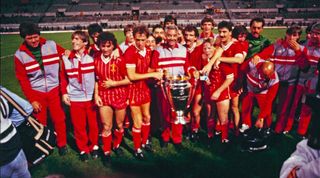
113, 67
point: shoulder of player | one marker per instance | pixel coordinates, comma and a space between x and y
180, 46
130, 51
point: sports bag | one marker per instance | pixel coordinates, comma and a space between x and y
38, 141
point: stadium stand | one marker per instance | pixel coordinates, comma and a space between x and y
67, 14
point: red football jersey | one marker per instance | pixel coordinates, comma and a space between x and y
217, 77
139, 92
111, 69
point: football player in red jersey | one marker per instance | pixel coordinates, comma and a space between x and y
191, 34
137, 63
222, 76
110, 93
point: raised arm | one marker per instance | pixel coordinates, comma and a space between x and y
217, 54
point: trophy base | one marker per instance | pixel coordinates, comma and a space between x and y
180, 118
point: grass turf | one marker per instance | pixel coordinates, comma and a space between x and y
195, 160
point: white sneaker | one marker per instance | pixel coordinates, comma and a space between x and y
243, 128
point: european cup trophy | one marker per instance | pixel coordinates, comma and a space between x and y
179, 91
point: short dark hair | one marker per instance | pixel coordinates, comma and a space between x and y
28, 29
107, 36
127, 28
294, 29
141, 29
225, 24
207, 19
170, 18
258, 19
191, 28
94, 28
238, 30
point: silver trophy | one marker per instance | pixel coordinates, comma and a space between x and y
179, 92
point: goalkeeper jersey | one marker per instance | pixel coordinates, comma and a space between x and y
256, 45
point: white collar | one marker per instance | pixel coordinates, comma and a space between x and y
142, 52
192, 47
105, 59
227, 46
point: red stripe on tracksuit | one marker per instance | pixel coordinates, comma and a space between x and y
307, 85
31, 63
260, 89
287, 63
43, 85
170, 59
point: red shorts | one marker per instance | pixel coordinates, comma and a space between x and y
114, 100
235, 93
139, 94
236, 87
225, 94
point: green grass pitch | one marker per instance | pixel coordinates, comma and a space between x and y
195, 160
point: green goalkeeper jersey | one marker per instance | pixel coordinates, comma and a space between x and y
36, 52
256, 45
